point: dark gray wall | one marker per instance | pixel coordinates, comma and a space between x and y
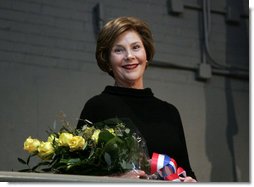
47, 65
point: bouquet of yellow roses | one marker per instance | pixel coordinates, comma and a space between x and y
103, 148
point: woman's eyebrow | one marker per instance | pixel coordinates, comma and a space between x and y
133, 43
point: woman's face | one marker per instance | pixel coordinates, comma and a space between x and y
128, 60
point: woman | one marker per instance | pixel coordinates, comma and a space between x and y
124, 49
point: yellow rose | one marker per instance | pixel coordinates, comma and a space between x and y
65, 138
52, 138
77, 143
45, 150
111, 130
31, 145
95, 135
88, 132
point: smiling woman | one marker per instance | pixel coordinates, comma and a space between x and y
124, 48
109, 37
128, 60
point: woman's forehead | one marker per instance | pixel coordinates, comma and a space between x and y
128, 37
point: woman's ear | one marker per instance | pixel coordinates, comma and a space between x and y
147, 63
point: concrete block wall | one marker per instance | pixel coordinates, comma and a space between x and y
47, 65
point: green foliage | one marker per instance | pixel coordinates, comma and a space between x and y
115, 149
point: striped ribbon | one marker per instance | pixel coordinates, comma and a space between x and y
166, 167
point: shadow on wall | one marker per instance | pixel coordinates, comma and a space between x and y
232, 126
220, 131
221, 125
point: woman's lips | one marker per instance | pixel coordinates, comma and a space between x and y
130, 66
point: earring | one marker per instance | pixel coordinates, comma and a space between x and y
147, 63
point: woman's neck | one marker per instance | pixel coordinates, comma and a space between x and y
136, 85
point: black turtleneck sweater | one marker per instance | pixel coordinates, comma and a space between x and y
158, 121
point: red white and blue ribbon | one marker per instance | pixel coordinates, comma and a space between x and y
166, 167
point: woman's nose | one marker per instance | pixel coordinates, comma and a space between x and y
129, 55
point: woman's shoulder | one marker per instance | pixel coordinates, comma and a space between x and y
97, 99
166, 106
164, 103
101, 99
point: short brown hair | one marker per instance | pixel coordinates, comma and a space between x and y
112, 30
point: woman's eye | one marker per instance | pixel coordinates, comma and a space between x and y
118, 50
135, 47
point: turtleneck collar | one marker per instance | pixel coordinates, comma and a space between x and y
147, 92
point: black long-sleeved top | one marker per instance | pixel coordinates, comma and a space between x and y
158, 121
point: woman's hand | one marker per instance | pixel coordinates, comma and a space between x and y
140, 174
133, 174
187, 179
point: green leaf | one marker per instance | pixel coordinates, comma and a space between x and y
25, 170
70, 162
40, 164
105, 136
22, 161
107, 158
28, 159
125, 165
127, 131
73, 161
46, 169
